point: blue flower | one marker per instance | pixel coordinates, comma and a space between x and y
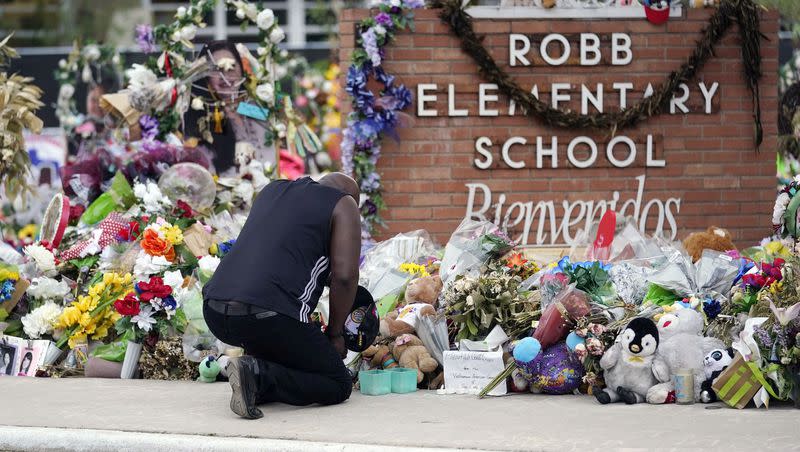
712, 308
371, 183
7, 290
169, 303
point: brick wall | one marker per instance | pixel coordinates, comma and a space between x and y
711, 164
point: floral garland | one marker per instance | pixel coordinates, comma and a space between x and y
175, 38
88, 62
371, 118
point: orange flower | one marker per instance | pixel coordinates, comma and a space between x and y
153, 245
516, 261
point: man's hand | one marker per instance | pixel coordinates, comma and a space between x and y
338, 344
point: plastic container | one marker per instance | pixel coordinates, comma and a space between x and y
403, 380
375, 382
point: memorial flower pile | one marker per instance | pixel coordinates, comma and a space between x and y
151, 310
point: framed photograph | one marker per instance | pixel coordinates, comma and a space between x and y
29, 358
8, 358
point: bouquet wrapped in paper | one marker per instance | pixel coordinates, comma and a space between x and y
472, 245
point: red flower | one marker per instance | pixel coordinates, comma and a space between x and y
756, 280
130, 233
128, 306
184, 209
516, 261
75, 212
154, 289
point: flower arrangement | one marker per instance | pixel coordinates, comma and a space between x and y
767, 276
91, 316
9, 275
88, 61
371, 118
415, 270
151, 310
520, 266
39, 322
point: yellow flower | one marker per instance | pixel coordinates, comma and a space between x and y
776, 248
333, 120
414, 269
75, 339
27, 232
8, 274
100, 332
332, 72
172, 234
69, 316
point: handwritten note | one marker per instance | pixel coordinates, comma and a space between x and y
470, 372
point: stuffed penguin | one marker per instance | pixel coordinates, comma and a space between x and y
715, 363
628, 364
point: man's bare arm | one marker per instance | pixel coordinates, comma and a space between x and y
345, 254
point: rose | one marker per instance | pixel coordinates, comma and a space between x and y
128, 306
184, 209
277, 35
181, 12
66, 91
153, 289
153, 245
266, 92
594, 346
597, 329
265, 19
188, 32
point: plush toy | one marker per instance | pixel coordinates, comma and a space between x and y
209, 369
628, 364
682, 346
380, 357
421, 297
713, 238
715, 363
409, 351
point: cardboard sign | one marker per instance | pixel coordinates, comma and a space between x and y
470, 372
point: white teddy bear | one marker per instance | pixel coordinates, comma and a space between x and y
682, 347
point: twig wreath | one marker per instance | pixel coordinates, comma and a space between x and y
89, 61
177, 37
361, 141
743, 12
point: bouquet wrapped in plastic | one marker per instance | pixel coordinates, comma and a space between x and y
472, 245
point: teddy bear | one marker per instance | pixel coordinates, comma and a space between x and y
715, 363
379, 357
628, 364
682, 346
410, 352
713, 238
421, 297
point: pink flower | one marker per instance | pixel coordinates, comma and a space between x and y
594, 346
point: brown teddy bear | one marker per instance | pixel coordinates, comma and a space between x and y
713, 238
409, 351
380, 357
420, 300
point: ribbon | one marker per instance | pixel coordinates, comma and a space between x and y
168, 70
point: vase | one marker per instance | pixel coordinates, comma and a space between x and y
132, 353
52, 354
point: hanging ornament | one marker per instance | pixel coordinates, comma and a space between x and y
218, 116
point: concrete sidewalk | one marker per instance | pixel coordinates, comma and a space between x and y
90, 414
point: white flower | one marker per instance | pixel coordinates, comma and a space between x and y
44, 259
144, 319
47, 289
147, 265
261, 51
266, 92
284, 53
41, 320
226, 64
197, 104
140, 77
251, 11
115, 58
379, 30
151, 196
396, 3
62, 64
188, 32
265, 19
86, 74
280, 128
173, 279
781, 203
277, 35
91, 52
181, 13
208, 263
240, 14
66, 91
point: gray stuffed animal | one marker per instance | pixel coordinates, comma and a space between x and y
628, 364
682, 347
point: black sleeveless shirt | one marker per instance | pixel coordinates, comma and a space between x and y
281, 259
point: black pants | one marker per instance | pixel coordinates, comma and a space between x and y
297, 364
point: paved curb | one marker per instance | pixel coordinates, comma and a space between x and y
59, 440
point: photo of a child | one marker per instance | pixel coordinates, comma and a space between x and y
8, 356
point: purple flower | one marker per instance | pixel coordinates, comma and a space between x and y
145, 38
395, 10
369, 208
371, 183
369, 41
348, 148
149, 127
414, 4
384, 19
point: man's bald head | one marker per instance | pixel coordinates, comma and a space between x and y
343, 182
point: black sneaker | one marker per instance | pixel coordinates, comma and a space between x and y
242, 377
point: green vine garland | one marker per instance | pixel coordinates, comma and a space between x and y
745, 13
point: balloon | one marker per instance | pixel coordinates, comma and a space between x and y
555, 371
191, 183
527, 350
